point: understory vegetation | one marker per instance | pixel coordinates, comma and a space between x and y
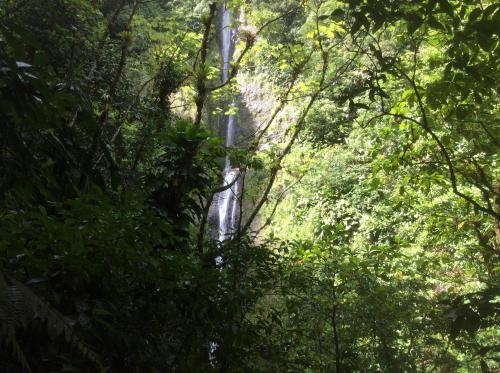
368, 153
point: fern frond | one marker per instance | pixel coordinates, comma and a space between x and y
19, 305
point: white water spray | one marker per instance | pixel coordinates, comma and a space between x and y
227, 201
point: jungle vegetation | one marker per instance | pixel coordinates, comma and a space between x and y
369, 233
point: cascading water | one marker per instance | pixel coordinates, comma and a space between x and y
227, 201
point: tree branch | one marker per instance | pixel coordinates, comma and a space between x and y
424, 123
275, 169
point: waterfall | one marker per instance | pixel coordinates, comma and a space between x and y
227, 201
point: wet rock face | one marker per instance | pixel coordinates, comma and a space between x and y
257, 104
257, 99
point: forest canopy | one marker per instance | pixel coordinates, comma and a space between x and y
249, 186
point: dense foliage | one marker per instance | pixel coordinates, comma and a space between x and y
369, 233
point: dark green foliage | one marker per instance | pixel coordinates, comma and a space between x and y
97, 222
20, 307
114, 270
389, 223
470, 312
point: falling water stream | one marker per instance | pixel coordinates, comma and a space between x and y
227, 201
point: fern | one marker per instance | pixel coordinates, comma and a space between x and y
19, 305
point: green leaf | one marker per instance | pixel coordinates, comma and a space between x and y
431, 5
475, 14
434, 23
377, 19
338, 14
488, 27
356, 26
446, 7
360, 105
490, 10
414, 22
485, 42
